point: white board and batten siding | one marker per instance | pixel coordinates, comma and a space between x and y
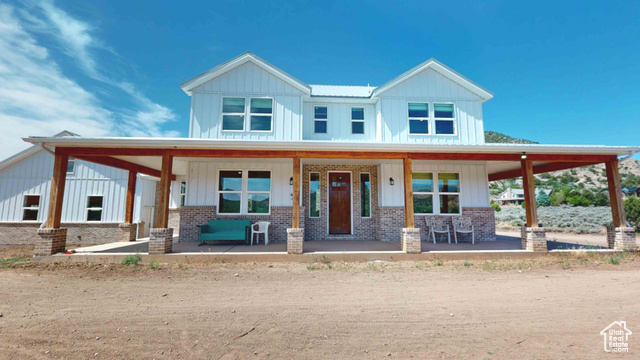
247, 80
474, 185
339, 122
32, 176
430, 86
202, 180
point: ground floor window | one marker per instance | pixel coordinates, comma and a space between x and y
365, 195
314, 195
30, 207
236, 196
94, 208
183, 192
447, 193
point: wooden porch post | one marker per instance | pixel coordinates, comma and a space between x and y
57, 191
131, 194
615, 193
295, 212
165, 190
408, 194
529, 193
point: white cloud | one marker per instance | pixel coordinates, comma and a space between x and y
37, 98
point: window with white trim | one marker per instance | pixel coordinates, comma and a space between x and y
94, 208
261, 114
446, 195
314, 195
444, 117
418, 118
320, 119
71, 165
30, 207
183, 193
233, 110
357, 120
365, 195
230, 192
258, 191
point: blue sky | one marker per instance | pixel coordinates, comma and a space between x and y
560, 73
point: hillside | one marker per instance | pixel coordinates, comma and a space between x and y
592, 177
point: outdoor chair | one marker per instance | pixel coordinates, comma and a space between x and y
436, 225
463, 225
261, 227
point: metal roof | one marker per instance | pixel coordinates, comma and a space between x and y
342, 91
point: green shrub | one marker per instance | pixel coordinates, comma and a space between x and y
557, 198
632, 210
495, 206
132, 260
154, 264
543, 199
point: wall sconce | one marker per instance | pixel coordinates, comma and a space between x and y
291, 181
523, 156
391, 182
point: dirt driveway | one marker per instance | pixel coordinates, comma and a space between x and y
324, 311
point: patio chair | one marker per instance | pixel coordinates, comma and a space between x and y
261, 227
463, 225
436, 225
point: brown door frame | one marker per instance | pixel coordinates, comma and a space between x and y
350, 172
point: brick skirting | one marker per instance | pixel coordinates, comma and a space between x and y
192, 216
20, 233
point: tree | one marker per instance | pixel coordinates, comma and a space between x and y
557, 198
543, 199
601, 199
578, 200
632, 210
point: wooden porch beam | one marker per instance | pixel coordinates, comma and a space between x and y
615, 193
131, 195
165, 190
295, 211
408, 194
529, 193
226, 153
122, 164
539, 169
56, 196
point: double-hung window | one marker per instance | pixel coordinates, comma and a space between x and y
94, 208
444, 117
314, 195
320, 119
30, 207
261, 114
233, 110
258, 192
230, 192
418, 118
446, 194
244, 192
357, 120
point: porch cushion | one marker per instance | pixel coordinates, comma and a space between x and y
223, 235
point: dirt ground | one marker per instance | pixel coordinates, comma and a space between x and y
552, 308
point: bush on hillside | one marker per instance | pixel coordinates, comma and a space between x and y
632, 211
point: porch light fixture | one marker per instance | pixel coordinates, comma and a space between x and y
391, 182
523, 156
291, 181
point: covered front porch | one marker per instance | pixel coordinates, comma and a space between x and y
159, 157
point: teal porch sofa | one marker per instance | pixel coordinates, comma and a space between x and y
224, 230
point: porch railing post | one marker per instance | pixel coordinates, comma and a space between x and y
161, 238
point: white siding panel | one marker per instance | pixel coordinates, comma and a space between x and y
474, 181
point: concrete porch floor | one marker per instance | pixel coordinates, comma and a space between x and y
502, 243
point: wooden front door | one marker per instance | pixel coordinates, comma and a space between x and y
339, 203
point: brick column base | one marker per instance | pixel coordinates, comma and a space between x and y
295, 240
127, 232
51, 241
533, 238
160, 241
411, 241
621, 238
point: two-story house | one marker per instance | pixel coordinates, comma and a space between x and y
330, 162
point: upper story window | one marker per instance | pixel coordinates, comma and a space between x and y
444, 117
357, 120
261, 114
320, 119
233, 110
418, 118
